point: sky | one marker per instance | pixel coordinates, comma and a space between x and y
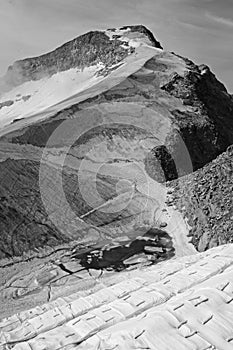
201, 30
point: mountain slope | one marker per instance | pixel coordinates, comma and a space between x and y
93, 166
205, 198
35, 84
84, 51
101, 214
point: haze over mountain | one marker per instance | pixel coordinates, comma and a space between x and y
112, 153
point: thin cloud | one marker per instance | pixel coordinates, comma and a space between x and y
221, 20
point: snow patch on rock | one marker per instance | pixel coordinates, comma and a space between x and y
46, 92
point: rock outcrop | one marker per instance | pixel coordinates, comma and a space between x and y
208, 129
205, 199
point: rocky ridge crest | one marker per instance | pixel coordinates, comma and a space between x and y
94, 47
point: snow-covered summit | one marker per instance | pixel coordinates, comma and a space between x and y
47, 83
86, 50
133, 36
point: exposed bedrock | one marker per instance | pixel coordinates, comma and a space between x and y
163, 121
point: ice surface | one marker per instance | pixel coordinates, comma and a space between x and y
185, 303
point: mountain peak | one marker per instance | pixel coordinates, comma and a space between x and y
144, 30
138, 33
107, 47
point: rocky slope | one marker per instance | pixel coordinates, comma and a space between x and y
110, 148
98, 143
208, 131
205, 198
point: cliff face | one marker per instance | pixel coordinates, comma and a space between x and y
135, 126
208, 129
